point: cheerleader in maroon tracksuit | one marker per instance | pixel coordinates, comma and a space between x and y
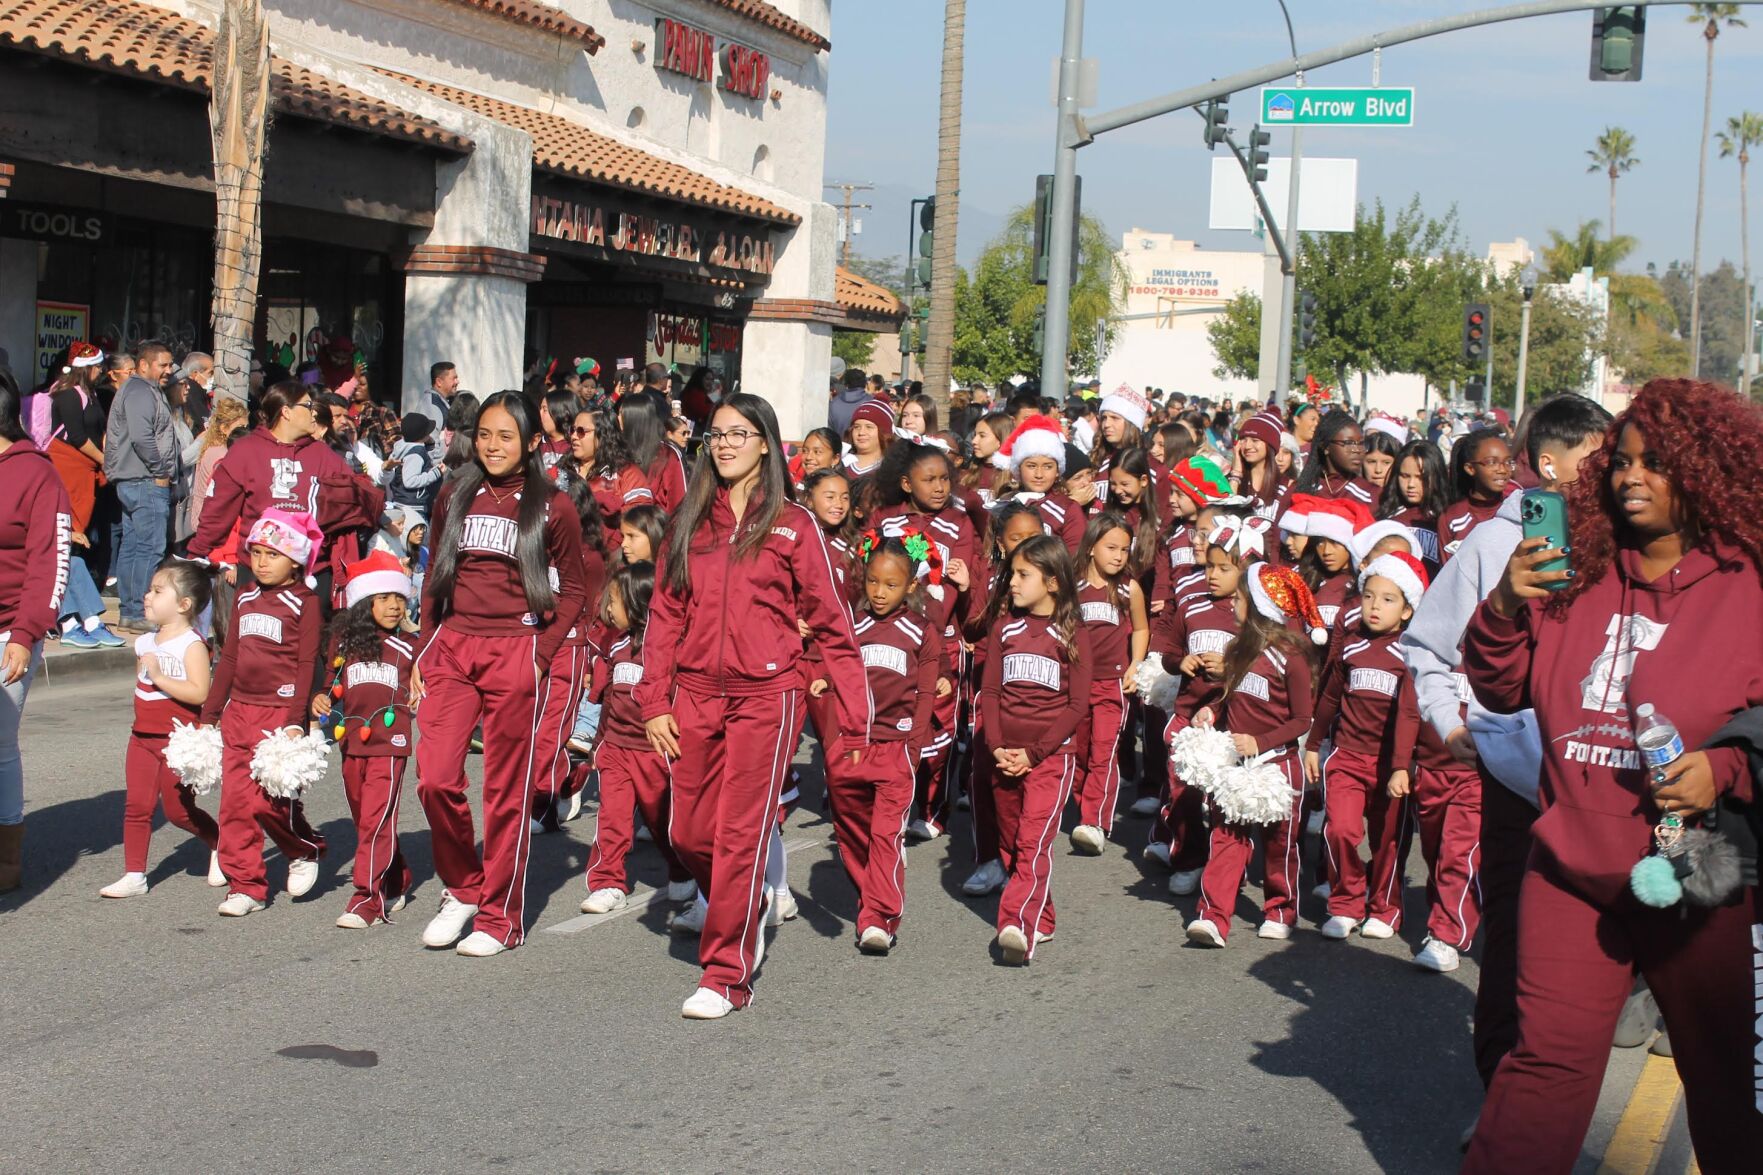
1447, 809
262, 685
827, 494
870, 789
721, 693
1481, 478
171, 683
1036, 452
1417, 492
1267, 707
1111, 607
503, 589
1327, 561
1369, 714
560, 696
1037, 685
633, 778
367, 711
643, 421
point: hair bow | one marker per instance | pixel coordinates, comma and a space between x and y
1248, 537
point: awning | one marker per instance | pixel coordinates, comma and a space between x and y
866, 304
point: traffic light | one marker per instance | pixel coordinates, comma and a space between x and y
1618, 35
1217, 112
1475, 334
1306, 320
927, 223
1476, 393
1258, 141
1043, 226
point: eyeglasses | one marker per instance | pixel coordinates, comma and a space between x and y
734, 438
579, 431
1348, 444
306, 404
1496, 463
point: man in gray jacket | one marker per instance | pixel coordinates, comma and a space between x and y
140, 460
845, 404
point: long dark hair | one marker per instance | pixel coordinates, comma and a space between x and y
998, 598
1332, 426
1137, 463
1435, 498
535, 501
10, 426
768, 500
354, 634
277, 399
1100, 525
645, 430
1256, 635
611, 453
462, 412
562, 407
651, 520
581, 495
1178, 442
848, 530
635, 585
1052, 559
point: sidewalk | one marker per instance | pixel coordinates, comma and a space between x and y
58, 661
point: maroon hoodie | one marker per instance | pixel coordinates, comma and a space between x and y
36, 539
1690, 642
260, 472
1035, 694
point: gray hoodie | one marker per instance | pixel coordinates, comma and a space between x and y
139, 441
1509, 744
843, 407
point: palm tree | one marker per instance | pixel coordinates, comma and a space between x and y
940, 340
237, 112
1565, 256
1614, 154
1714, 15
1741, 134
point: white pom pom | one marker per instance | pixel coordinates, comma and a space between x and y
1319, 636
1253, 792
1199, 754
1155, 685
193, 754
285, 765
935, 591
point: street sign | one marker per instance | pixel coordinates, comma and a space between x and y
1319, 106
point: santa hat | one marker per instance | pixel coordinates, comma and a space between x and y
1337, 519
375, 575
1368, 537
1128, 404
1402, 570
1282, 596
1266, 427
1038, 436
83, 354
1201, 479
293, 533
879, 414
1389, 426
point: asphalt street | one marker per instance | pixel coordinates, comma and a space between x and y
151, 1035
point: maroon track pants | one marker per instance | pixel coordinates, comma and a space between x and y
1028, 808
1576, 966
247, 812
149, 784
631, 780
1358, 809
1447, 806
560, 694
871, 802
1229, 861
466, 678
1099, 789
933, 791
727, 782
373, 785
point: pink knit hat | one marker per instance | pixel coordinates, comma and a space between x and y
293, 533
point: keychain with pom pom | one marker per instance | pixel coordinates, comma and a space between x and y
1657, 879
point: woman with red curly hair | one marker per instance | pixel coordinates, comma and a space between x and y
1663, 605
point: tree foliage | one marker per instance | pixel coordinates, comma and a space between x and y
1236, 338
1723, 317
855, 347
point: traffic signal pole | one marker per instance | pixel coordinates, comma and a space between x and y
1056, 343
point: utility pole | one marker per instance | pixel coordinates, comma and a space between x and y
845, 212
1289, 279
1064, 243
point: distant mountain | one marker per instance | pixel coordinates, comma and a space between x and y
885, 224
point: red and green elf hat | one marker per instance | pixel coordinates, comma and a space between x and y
1201, 479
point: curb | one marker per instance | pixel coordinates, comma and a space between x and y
54, 667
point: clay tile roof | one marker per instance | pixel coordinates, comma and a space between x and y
137, 40
541, 16
862, 298
768, 15
569, 148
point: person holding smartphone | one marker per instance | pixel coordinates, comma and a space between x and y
1662, 603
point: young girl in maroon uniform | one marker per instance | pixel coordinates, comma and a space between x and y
1481, 476
367, 711
870, 432
640, 532
870, 789
1036, 451
721, 693
1327, 562
1336, 464
633, 778
827, 494
263, 683
504, 588
644, 425
598, 457
1037, 685
1267, 707
171, 683
1447, 810
1257, 469
1368, 711
1417, 493
560, 697
1120, 426
1663, 605
1111, 607
1134, 486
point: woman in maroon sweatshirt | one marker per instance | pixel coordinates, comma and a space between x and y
1336, 466
1481, 477
1664, 606
36, 538
503, 590
721, 694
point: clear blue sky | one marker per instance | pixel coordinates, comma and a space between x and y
1504, 115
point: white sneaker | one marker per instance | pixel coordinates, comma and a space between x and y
1278, 931
1376, 928
215, 877
1201, 931
604, 901
445, 927
1146, 806
875, 941
302, 876
536, 827
690, 920
1436, 956
350, 920
922, 829
1339, 926
783, 907
1088, 840
1322, 891
1013, 943
1158, 851
238, 905
705, 1004
1185, 881
398, 903
574, 808
1041, 938
582, 746
986, 879
129, 885
682, 891
478, 945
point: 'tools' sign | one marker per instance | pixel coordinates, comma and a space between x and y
683, 49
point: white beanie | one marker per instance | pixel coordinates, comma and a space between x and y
1368, 537
1128, 404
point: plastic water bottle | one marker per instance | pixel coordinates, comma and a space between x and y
1657, 737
